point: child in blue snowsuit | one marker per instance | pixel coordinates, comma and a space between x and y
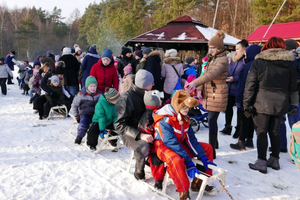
83, 106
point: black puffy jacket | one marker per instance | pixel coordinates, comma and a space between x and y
271, 79
130, 108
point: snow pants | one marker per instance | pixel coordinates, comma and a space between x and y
175, 163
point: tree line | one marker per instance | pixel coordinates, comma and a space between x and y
109, 24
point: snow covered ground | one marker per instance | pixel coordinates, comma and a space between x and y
39, 160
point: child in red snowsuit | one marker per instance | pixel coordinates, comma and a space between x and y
175, 143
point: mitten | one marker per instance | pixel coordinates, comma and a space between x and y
78, 118
102, 132
191, 169
206, 161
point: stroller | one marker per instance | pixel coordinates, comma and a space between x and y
197, 116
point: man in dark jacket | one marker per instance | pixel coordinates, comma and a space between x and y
11, 61
154, 67
130, 108
71, 71
127, 58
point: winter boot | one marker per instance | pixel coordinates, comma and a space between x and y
184, 195
139, 175
227, 129
240, 145
78, 140
249, 143
158, 184
92, 148
260, 165
273, 162
196, 185
236, 133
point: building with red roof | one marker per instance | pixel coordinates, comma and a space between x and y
284, 30
184, 33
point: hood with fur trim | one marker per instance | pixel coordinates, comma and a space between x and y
171, 60
236, 57
154, 53
276, 54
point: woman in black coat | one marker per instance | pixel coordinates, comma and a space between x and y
271, 78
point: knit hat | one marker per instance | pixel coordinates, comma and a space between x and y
60, 69
128, 69
125, 50
111, 95
36, 63
143, 78
54, 79
66, 51
107, 53
13, 52
77, 49
205, 59
171, 53
139, 53
48, 53
2, 59
190, 78
153, 99
147, 51
90, 80
189, 60
290, 44
182, 98
217, 40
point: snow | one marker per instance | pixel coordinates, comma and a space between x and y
183, 36
209, 32
39, 160
159, 35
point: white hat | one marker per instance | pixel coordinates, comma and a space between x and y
171, 53
66, 51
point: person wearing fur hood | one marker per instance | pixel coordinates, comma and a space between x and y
171, 61
175, 143
235, 67
271, 78
153, 65
213, 84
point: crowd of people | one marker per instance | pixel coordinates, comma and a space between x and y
146, 100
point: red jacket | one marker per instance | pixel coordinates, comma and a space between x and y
105, 76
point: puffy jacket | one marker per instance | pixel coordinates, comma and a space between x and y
213, 83
89, 60
130, 108
126, 82
235, 67
154, 67
271, 78
169, 73
172, 134
84, 102
251, 52
71, 70
106, 76
5, 71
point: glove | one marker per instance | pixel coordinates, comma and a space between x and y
102, 132
191, 169
206, 161
53, 95
250, 112
77, 118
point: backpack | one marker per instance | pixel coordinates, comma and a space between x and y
294, 147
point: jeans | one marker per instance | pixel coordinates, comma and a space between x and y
31, 91
84, 124
72, 90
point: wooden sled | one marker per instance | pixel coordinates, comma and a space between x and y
58, 112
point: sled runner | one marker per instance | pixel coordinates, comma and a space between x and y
219, 175
57, 112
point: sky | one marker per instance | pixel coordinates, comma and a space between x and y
67, 6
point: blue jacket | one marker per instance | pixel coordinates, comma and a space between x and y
234, 71
89, 60
251, 52
10, 61
173, 135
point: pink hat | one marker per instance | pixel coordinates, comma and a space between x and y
128, 69
191, 78
205, 59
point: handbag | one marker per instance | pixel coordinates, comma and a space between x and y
178, 85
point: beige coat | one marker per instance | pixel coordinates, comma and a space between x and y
126, 83
215, 98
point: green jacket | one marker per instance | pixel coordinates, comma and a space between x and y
105, 113
60, 95
141, 65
